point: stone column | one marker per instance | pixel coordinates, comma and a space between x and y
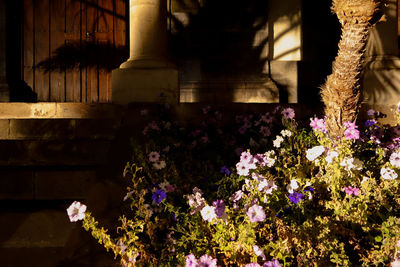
4, 90
381, 76
148, 74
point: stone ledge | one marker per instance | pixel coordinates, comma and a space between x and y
52, 110
58, 129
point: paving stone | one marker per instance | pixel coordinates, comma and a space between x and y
30, 257
46, 228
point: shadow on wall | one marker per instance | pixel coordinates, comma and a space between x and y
380, 77
225, 43
85, 54
321, 34
218, 46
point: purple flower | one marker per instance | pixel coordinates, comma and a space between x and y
256, 213
371, 112
191, 261
236, 196
225, 170
158, 196
272, 263
288, 113
253, 264
219, 208
260, 159
207, 261
206, 109
265, 131
308, 189
267, 118
242, 130
369, 122
121, 246
295, 197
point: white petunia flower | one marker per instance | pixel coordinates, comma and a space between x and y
286, 132
277, 142
159, 165
388, 173
259, 252
76, 211
208, 213
330, 156
292, 186
315, 152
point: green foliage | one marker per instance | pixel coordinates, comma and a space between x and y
305, 201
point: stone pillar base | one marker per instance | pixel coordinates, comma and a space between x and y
4, 93
145, 85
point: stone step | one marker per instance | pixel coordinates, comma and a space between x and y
46, 183
53, 152
35, 229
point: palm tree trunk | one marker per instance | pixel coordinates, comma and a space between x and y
341, 92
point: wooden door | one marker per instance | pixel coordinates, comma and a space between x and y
71, 46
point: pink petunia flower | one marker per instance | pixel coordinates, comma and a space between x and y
153, 125
395, 159
351, 190
191, 261
242, 169
318, 125
154, 156
207, 261
288, 113
256, 213
246, 157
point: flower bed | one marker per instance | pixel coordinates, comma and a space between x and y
265, 191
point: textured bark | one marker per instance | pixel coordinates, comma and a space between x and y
341, 92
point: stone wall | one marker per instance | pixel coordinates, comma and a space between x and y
232, 51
